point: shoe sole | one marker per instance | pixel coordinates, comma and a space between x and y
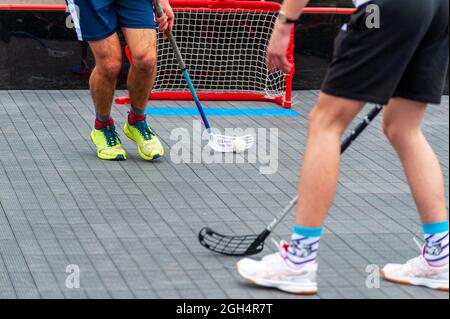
256, 282
413, 283
142, 155
118, 158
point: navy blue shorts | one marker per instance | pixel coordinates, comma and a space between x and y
98, 19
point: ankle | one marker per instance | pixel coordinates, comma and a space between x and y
436, 250
137, 111
133, 118
99, 124
304, 246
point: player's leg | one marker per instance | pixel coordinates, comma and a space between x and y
102, 83
142, 73
423, 82
320, 171
319, 177
141, 78
139, 28
103, 80
97, 25
402, 126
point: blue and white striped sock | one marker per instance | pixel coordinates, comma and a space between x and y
304, 246
436, 244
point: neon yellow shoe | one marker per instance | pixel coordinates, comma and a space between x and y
108, 144
149, 146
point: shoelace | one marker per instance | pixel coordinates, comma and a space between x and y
281, 245
144, 130
420, 245
280, 248
111, 136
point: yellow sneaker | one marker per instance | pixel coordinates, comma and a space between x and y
149, 146
108, 144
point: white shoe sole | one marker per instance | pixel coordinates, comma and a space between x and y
441, 285
290, 287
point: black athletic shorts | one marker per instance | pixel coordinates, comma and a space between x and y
407, 56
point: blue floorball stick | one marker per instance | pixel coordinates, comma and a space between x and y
219, 143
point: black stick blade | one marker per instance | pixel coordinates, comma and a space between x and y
230, 245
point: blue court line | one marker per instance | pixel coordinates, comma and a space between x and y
192, 111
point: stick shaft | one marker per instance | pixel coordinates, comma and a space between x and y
344, 146
182, 64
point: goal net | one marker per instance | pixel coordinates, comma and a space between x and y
224, 46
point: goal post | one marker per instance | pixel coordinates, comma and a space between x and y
224, 45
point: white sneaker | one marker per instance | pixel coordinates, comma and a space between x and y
273, 271
417, 272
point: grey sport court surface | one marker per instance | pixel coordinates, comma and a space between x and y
132, 226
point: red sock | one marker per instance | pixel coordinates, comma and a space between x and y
133, 118
102, 124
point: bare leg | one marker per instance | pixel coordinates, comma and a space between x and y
320, 172
142, 75
402, 120
108, 63
141, 78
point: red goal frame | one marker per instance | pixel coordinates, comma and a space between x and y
223, 6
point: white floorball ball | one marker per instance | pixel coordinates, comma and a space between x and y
239, 145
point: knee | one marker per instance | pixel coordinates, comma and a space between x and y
389, 130
326, 119
399, 134
314, 122
110, 67
145, 62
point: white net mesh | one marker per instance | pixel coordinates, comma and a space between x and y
224, 50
